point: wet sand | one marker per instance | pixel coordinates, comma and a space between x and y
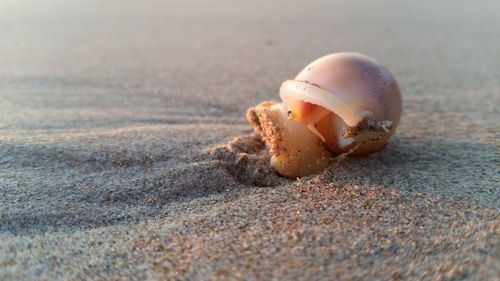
125, 153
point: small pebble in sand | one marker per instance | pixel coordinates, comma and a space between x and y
340, 104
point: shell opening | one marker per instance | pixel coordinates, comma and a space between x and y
292, 91
353, 125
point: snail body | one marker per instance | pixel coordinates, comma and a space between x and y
345, 102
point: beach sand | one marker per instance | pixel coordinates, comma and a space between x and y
125, 152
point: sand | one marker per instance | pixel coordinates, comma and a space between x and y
125, 153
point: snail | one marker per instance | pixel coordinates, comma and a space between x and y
340, 104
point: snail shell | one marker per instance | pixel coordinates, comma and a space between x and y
347, 102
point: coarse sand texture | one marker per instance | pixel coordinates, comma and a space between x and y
125, 153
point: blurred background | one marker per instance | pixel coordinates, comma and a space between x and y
74, 59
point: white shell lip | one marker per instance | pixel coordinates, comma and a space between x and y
335, 102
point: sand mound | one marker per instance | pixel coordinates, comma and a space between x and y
247, 160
